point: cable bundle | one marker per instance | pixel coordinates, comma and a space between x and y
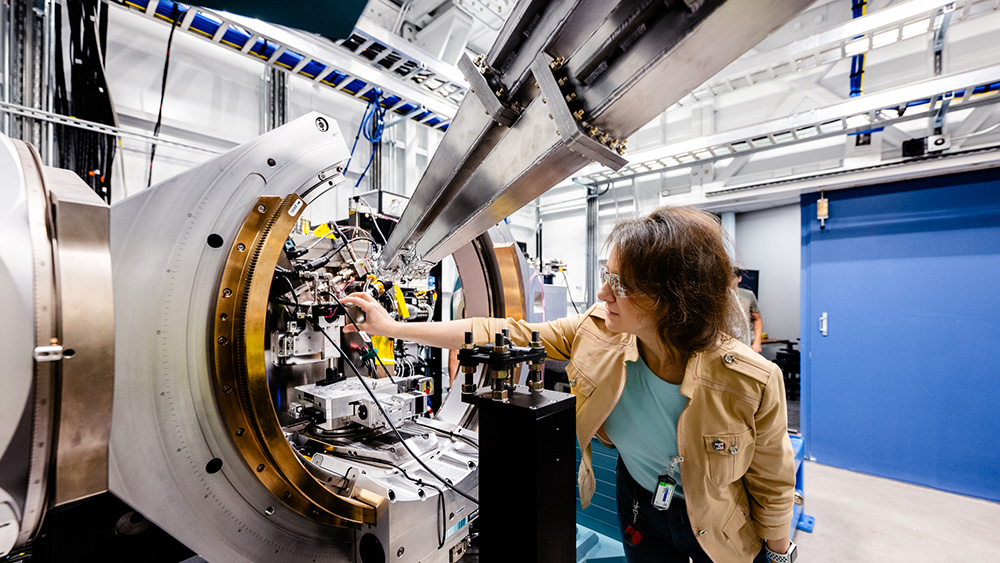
372, 126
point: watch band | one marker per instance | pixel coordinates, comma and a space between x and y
787, 557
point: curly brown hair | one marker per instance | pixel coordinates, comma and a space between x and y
674, 262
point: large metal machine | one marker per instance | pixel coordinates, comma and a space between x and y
184, 348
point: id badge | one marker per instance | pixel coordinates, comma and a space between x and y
665, 486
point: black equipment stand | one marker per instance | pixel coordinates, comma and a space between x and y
527, 476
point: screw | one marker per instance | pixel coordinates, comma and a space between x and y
222, 340
227, 292
321, 124
260, 468
240, 431
399, 552
261, 208
226, 389
241, 247
269, 510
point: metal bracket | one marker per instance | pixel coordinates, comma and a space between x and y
567, 126
940, 27
482, 89
939, 107
48, 353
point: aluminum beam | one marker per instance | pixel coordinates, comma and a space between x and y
642, 58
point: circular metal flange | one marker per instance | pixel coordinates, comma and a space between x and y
241, 382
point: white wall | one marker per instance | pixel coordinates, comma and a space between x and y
770, 241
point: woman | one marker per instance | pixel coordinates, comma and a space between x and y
656, 375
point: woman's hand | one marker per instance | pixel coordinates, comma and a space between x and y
376, 320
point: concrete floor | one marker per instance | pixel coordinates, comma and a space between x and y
860, 518
865, 519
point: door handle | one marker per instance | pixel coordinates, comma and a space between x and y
822, 323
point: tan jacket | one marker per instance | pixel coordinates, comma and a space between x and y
735, 497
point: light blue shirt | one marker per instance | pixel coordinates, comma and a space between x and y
643, 425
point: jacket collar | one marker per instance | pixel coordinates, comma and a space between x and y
631, 342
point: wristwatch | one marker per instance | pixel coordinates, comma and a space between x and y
788, 557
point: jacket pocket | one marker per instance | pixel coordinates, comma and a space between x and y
741, 535
580, 385
728, 455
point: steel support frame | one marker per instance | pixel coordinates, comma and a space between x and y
860, 35
442, 101
491, 171
813, 125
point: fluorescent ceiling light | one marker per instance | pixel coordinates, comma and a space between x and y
885, 38
916, 28
856, 47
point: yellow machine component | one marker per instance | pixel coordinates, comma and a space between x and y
323, 231
377, 285
404, 311
383, 347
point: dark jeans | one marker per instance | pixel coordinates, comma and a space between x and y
664, 536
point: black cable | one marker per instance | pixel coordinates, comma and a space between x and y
420, 482
291, 288
174, 20
389, 421
465, 439
358, 328
568, 292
